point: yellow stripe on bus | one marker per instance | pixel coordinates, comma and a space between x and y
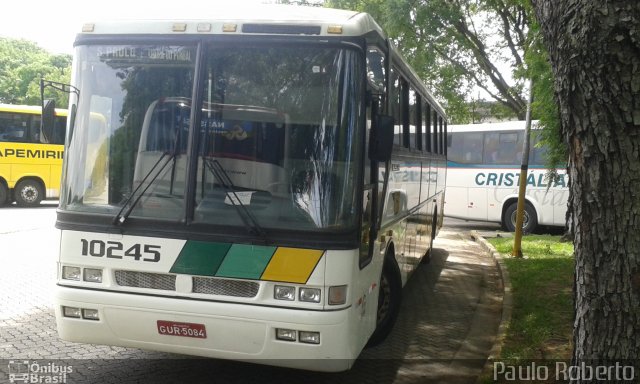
28, 109
293, 265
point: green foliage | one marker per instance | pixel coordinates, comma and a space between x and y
22, 65
457, 47
545, 107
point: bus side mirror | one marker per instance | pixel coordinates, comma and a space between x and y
48, 120
381, 138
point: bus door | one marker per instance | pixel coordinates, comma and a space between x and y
373, 190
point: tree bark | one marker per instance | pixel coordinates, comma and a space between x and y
594, 48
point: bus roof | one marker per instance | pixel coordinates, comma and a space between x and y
29, 109
242, 20
516, 125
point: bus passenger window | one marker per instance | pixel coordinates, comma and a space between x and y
426, 123
466, 148
414, 119
396, 106
12, 127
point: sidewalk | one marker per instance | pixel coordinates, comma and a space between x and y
451, 314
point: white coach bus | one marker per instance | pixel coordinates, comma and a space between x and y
267, 183
483, 173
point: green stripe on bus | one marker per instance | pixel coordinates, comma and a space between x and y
245, 261
200, 258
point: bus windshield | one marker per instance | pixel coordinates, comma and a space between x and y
275, 142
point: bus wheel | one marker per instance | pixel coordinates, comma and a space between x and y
529, 222
28, 193
389, 299
4, 194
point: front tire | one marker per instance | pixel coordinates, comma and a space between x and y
389, 299
530, 219
4, 194
28, 193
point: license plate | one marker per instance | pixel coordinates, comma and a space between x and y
172, 328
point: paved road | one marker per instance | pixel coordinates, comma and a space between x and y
447, 324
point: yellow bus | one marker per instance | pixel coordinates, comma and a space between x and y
30, 163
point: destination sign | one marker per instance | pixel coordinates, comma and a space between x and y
152, 53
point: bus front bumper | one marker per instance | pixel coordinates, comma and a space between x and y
215, 329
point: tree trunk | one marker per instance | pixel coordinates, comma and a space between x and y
594, 48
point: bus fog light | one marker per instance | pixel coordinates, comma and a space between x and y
71, 312
90, 314
285, 334
311, 295
283, 292
71, 273
337, 295
310, 337
92, 275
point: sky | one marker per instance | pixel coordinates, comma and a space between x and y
54, 24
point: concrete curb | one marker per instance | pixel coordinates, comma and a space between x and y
507, 300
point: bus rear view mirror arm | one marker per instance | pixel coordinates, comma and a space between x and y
381, 139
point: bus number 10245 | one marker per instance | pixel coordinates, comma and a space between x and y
116, 250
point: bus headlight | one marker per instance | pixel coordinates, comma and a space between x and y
71, 312
310, 295
309, 337
284, 292
71, 273
90, 314
285, 334
92, 275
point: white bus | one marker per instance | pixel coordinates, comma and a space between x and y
484, 162
252, 198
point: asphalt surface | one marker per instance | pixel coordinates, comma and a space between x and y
449, 319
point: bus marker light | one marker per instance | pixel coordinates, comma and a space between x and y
283, 292
310, 337
204, 27
285, 334
179, 27
335, 29
90, 314
337, 295
88, 27
229, 27
71, 312
310, 295
71, 273
92, 275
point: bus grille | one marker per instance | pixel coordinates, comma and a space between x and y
146, 280
225, 287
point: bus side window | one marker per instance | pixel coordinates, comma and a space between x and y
13, 127
441, 144
537, 152
396, 105
434, 133
426, 123
405, 112
466, 148
414, 120
33, 133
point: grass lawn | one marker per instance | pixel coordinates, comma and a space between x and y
542, 283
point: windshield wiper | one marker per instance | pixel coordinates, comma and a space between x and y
247, 218
135, 197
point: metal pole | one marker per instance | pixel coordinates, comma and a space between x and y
524, 169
